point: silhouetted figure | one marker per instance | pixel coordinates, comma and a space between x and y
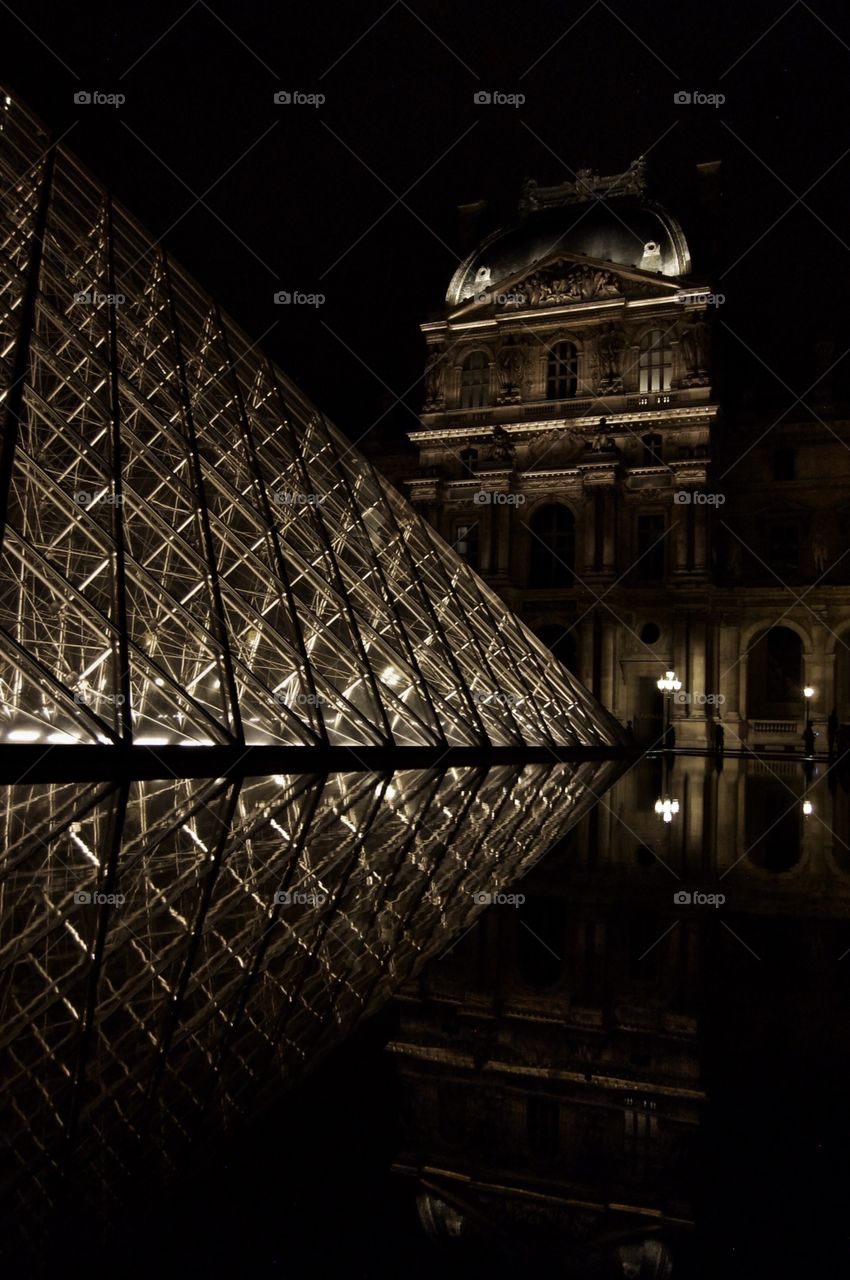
630, 732
670, 738
719, 738
831, 731
809, 739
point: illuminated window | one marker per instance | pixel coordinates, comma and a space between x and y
655, 361
474, 381
562, 372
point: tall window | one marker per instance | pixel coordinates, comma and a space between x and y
553, 547
562, 372
474, 381
655, 362
650, 548
652, 446
466, 543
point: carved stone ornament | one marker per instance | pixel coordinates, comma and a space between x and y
610, 345
512, 366
435, 382
586, 186
559, 284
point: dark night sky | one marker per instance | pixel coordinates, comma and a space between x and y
308, 197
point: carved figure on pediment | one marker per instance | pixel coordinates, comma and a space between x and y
557, 286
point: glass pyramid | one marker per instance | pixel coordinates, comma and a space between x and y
193, 556
191, 552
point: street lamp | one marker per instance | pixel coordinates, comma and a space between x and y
668, 684
808, 808
666, 808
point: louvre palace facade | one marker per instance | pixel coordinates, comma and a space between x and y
574, 449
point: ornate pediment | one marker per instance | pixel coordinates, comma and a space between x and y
560, 283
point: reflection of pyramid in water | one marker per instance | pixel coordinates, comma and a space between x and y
193, 554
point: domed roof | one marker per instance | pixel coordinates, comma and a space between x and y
629, 232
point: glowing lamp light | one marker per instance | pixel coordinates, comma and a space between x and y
669, 682
808, 807
666, 809
808, 692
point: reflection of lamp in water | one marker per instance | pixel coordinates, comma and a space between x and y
666, 808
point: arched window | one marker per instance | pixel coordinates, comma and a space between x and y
474, 381
553, 546
775, 675
562, 371
655, 362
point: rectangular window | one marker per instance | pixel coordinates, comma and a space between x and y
466, 543
651, 544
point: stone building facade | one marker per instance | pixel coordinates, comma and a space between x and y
572, 447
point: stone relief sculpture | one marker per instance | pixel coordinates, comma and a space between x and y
610, 346
819, 552
694, 339
512, 366
435, 383
562, 283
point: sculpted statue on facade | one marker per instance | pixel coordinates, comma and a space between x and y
610, 346
512, 365
435, 383
694, 339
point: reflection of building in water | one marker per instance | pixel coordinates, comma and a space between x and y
554, 1063
570, 447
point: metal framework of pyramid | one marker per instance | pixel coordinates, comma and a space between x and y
192, 553
192, 556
